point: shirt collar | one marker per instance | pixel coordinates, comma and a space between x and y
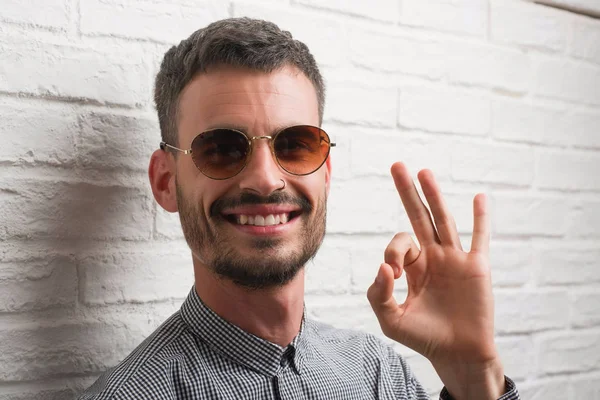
240, 346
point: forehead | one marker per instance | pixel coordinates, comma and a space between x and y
257, 101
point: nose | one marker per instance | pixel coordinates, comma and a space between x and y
262, 175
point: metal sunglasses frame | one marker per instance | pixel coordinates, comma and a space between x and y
164, 146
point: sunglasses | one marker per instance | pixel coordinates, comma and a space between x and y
223, 153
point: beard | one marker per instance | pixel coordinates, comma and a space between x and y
266, 262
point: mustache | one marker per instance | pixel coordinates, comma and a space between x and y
248, 198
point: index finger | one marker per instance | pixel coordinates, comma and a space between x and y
418, 214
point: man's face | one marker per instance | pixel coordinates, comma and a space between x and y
212, 211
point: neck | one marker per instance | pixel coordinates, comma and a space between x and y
273, 314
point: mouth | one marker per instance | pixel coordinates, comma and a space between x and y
262, 219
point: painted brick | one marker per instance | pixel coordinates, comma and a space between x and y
518, 356
585, 387
444, 111
559, 78
386, 10
37, 284
340, 156
521, 23
330, 272
168, 224
488, 66
528, 215
583, 128
585, 221
462, 16
587, 7
82, 210
374, 152
563, 265
556, 389
584, 40
493, 163
161, 273
585, 309
349, 102
113, 74
110, 141
365, 258
529, 311
47, 13
56, 394
37, 132
325, 36
567, 170
379, 51
160, 21
569, 352
522, 122
364, 206
511, 262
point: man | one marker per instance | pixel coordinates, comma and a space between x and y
247, 167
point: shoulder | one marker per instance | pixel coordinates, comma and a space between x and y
147, 363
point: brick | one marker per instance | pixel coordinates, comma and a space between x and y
47, 13
111, 141
585, 387
351, 103
444, 111
39, 208
366, 255
493, 163
168, 224
52, 394
37, 133
38, 284
521, 122
564, 265
374, 152
569, 352
488, 66
160, 21
583, 128
530, 311
34, 351
518, 356
375, 207
567, 170
554, 389
468, 17
386, 10
115, 75
584, 40
562, 79
329, 272
341, 157
587, 7
585, 221
324, 36
522, 23
511, 263
528, 215
585, 309
161, 273
334, 310
381, 51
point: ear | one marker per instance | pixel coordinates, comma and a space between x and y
327, 174
162, 173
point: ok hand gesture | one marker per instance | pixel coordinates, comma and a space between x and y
448, 314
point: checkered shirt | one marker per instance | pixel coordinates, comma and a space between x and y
196, 354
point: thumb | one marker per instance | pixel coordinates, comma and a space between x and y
380, 293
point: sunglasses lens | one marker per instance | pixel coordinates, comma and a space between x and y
301, 150
220, 153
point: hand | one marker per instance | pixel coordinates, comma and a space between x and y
448, 314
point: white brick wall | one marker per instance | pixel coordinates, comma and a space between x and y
501, 96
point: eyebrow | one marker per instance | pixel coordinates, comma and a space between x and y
244, 129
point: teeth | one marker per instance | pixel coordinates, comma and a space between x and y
259, 220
